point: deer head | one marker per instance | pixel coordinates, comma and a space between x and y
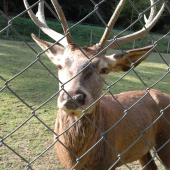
81, 70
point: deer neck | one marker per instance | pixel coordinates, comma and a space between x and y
81, 132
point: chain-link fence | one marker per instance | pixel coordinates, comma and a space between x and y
29, 91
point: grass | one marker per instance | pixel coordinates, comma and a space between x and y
32, 138
35, 86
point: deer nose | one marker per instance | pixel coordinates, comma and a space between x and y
74, 102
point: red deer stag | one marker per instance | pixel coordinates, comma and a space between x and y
94, 132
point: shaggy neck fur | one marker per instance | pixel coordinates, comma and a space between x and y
79, 138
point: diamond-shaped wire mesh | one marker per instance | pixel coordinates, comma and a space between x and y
29, 91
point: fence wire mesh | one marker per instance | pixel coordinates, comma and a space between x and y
29, 91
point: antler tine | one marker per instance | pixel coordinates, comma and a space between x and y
152, 13
39, 20
40, 13
111, 23
134, 36
63, 19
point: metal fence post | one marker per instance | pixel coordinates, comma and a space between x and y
168, 46
39, 33
7, 33
91, 34
133, 44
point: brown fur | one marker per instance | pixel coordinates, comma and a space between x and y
83, 135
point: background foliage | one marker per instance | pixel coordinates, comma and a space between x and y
76, 10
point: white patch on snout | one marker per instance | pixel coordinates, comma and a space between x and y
102, 64
77, 112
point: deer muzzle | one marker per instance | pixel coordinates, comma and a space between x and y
73, 102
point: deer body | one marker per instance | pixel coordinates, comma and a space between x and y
83, 135
92, 131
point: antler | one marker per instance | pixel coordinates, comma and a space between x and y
153, 18
112, 21
39, 20
62, 18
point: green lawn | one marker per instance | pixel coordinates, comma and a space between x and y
35, 86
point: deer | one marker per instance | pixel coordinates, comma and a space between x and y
96, 131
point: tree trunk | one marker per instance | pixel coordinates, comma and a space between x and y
5, 3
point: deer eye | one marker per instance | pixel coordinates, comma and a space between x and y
104, 71
59, 67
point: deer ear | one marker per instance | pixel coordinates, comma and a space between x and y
119, 62
52, 52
